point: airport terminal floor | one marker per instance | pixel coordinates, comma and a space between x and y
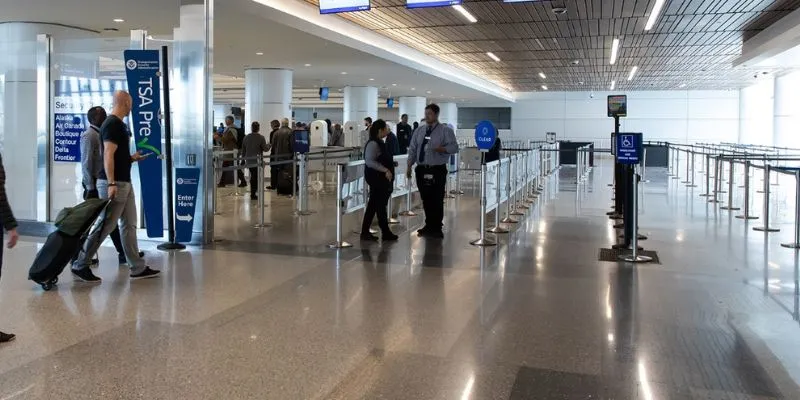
277, 315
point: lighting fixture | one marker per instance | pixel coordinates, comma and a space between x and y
344, 73
413, 88
428, 92
683, 85
633, 72
260, 53
542, 75
614, 51
394, 84
544, 87
465, 13
308, 65
492, 56
118, 20
372, 79
654, 14
613, 84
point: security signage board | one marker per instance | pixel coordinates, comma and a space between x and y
485, 135
67, 137
341, 6
431, 3
629, 148
300, 142
144, 84
187, 180
72, 98
618, 106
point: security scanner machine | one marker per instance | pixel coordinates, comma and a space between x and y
319, 134
352, 133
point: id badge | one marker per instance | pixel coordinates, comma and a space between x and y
427, 179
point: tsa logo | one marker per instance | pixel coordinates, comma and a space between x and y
131, 64
180, 181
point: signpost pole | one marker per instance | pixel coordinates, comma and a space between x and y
171, 244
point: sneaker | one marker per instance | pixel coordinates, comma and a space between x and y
95, 262
85, 275
123, 260
147, 273
389, 237
7, 337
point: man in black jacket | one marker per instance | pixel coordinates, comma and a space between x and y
404, 132
10, 225
239, 140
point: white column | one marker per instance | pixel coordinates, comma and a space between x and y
448, 114
787, 97
414, 107
360, 102
267, 95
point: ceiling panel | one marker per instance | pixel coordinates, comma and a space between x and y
691, 46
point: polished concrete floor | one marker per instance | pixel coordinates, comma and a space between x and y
272, 313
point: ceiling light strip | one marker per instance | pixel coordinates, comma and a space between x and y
613, 85
493, 56
614, 51
633, 72
542, 75
471, 18
654, 14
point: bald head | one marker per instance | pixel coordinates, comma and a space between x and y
122, 104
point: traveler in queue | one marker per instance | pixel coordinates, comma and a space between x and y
282, 148
273, 170
494, 153
228, 140
416, 125
379, 174
254, 146
404, 132
430, 148
365, 132
337, 136
92, 164
9, 224
115, 185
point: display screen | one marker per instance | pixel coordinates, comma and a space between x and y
323, 93
431, 3
618, 106
390, 102
339, 6
519, 1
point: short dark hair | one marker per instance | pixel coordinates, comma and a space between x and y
255, 126
368, 119
433, 107
94, 112
375, 128
404, 116
275, 124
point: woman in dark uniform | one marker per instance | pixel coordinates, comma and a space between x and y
9, 224
379, 174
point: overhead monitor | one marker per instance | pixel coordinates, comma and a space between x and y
323, 93
519, 1
340, 6
431, 3
618, 106
390, 102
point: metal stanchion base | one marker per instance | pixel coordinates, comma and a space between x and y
623, 246
729, 208
676, 177
638, 259
517, 213
260, 226
171, 246
509, 220
299, 213
706, 195
746, 217
458, 192
691, 186
619, 226
715, 201
720, 191
524, 206
340, 245
791, 245
408, 213
615, 216
483, 242
497, 229
394, 221
766, 229
641, 237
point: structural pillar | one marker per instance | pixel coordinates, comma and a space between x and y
360, 102
267, 95
414, 107
448, 114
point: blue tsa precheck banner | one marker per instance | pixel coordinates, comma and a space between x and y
339, 6
143, 72
431, 3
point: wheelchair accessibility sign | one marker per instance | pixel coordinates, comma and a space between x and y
629, 148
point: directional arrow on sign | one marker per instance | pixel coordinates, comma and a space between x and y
183, 218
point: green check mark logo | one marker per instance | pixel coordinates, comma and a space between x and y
143, 145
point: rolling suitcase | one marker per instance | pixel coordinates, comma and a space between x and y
73, 226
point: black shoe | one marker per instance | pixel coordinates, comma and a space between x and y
270, 188
221, 185
423, 231
242, 185
7, 337
389, 237
85, 275
368, 237
254, 198
147, 273
95, 262
123, 260
432, 234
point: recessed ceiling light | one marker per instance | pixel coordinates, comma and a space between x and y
614, 51
542, 75
413, 88
633, 72
465, 13
613, 84
492, 56
119, 20
428, 92
308, 65
344, 73
654, 14
372, 79
559, 10
575, 62
394, 84
683, 85
260, 53
544, 87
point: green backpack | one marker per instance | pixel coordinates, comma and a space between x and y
74, 221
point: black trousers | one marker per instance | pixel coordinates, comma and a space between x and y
254, 182
240, 173
274, 170
431, 181
115, 237
378, 203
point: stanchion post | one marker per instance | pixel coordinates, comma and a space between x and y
483, 241
508, 219
339, 243
677, 173
796, 243
746, 215
634, 256
261, 197
497, 228
708, 177
302, 195
766, 228
717, 174
731, 171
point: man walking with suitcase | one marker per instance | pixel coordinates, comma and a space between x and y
9, 224
114, 184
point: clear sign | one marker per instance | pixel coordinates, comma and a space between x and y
618, 106
187, 180
485, 135
431, 3
629, 148
339, 6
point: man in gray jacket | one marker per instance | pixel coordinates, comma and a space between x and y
254, 145
10, 225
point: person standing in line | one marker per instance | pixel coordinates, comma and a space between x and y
430, 148
282, 148
10, 226
494, 153
392, 144
379, 174
228, 140
403, 134
114, 184
92, 164
365, 132
239, 140
416, 125
337, 137
254, 146
273, 170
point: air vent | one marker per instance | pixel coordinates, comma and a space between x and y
559, 10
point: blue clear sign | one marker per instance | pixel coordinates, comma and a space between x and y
143, 69
67, 137
629, 148
485, 135
187, 180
